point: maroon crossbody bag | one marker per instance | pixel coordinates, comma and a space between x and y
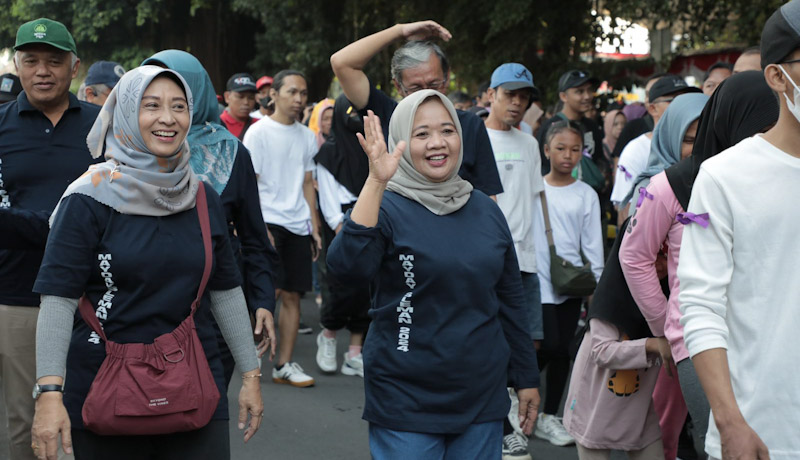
159, 388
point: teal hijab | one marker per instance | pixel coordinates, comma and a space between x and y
665, 149
213, 147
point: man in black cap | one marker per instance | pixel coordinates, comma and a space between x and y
100, 80
42, 150
738, 271
10, 87
240, 95
576, 91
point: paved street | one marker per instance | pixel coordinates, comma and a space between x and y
320, 422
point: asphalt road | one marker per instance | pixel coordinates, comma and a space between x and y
319, 422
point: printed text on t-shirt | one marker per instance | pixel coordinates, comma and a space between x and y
105, 303
5, 202
405, 310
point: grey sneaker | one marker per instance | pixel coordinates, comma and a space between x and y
550, 428
326, 353
515, 447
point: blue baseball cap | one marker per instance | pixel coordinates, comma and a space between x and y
511, 76
104, 72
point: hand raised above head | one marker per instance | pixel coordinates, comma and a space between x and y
425, 29
382, 164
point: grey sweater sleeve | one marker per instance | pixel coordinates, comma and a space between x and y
230, 311
53, 333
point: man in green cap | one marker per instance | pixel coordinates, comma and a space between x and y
42, 150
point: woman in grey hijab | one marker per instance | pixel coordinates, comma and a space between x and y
125, 236
448, 331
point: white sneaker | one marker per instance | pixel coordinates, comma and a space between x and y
515, 447
326, 353
353, 366
513, 413
550, 428
292, 374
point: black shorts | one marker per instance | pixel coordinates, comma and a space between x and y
294, 252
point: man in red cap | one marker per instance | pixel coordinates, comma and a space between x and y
265, 108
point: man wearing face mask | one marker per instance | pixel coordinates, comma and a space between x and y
739, 302
265, 107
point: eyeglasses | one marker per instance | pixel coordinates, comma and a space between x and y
435, 85
793, 61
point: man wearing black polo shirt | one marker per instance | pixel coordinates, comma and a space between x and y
416, 65
42, 150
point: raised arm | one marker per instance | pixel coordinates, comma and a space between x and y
348, 63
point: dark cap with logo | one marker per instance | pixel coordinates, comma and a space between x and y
10, 87
241, 82
781, 34
670, 84
45, 31
575, 78
104, 72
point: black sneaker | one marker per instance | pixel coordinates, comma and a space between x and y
304, 328
515, 448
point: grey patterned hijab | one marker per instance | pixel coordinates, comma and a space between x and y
133, 180
440, 198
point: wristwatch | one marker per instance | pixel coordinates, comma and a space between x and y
39, 389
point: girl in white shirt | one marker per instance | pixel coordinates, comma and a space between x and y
574, 211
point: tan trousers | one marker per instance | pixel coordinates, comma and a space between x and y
18, 374
654, 451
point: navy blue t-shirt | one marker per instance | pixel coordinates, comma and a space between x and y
478, 167
256, 257
141, 274
448, 314
37, 163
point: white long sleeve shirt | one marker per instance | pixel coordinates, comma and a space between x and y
575, 221
332, 195
740, 288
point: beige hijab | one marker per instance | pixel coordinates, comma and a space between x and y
440, 198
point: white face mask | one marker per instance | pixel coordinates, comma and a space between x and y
794, 107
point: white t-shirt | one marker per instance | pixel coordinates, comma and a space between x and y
256, 114
739, 288
282, 154
575, 221
520, 168
634, 159
332, 195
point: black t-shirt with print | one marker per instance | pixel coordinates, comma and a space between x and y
141, 274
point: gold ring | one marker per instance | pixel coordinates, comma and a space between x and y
34, 446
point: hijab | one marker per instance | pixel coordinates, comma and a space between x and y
665, 148
213, 147
341, 154
634, 111
742, 106
315, 123
608, 127
132, 180
440, 198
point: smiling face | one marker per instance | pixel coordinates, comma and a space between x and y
45, 73
579, 99
435, 144
164, 117
564, 151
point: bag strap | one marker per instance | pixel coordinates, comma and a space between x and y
548, 230
85, 306
245, 128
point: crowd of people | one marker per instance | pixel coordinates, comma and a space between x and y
150, 227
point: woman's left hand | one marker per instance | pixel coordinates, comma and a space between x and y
265, 326
250, 404
529, 401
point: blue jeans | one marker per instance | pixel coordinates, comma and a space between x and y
533, 301
481, 441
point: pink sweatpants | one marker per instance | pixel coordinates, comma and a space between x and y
671, 409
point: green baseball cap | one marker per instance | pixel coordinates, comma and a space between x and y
45, 31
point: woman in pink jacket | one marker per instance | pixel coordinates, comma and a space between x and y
742, 106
